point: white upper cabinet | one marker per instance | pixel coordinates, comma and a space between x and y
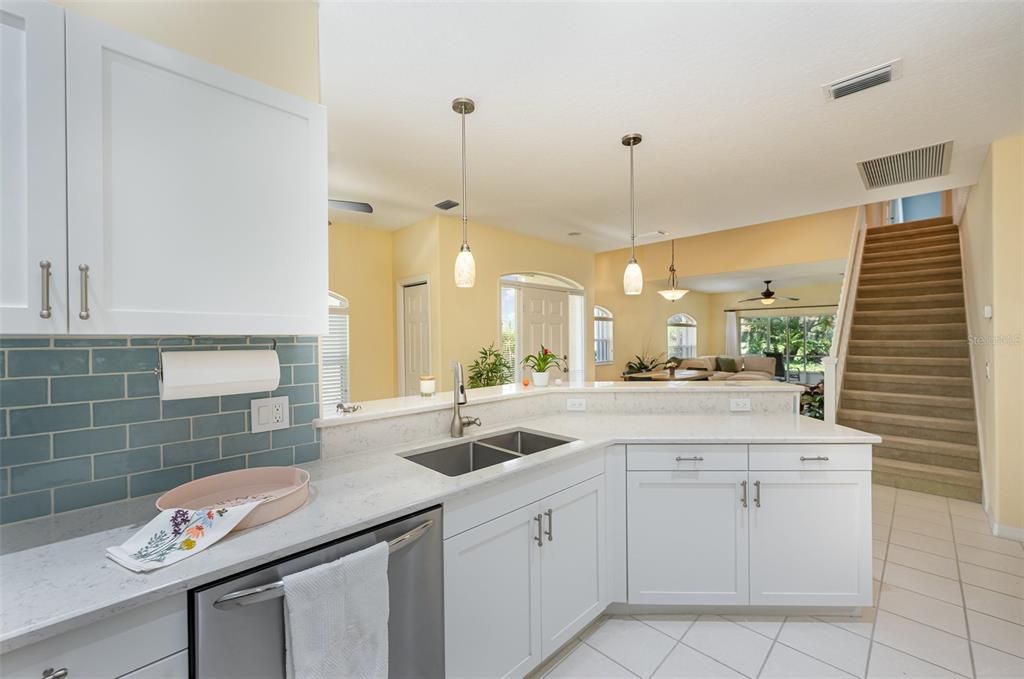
33, 227
196, 197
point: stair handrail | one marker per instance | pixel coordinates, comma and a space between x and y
836, 359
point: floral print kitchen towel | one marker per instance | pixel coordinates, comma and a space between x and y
176, 534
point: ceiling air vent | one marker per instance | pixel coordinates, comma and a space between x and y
879, 75
446, 204
909, 166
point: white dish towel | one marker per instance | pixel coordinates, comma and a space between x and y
336, 618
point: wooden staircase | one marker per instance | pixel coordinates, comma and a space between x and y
907, 376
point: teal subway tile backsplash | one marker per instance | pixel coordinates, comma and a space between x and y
81, 423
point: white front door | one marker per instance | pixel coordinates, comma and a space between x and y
33, 221
687, 537
545, 322
571, 561
810, 542
492, 596
415, 335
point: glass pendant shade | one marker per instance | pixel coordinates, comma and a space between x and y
633, 278
465, 268
767, 300
673, 294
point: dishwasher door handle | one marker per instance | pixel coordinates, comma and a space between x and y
275, 590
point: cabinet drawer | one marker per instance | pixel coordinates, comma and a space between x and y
108, 648
686, 457
795, 457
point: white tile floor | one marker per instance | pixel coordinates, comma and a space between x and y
950, 603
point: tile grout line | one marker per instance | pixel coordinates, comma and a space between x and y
599, 651
881, 580
771, 648
963, 599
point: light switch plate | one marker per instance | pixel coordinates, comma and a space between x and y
576, 404
268, 414
739, 405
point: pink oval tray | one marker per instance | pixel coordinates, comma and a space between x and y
282, 489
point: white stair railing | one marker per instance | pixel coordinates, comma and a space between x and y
835, 361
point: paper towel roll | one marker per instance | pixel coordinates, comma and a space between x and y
192, 374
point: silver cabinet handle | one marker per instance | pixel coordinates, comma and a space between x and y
540, 530
551, 525
695, 458
743, 498
83, 270
757, 493
818, 458
50, 673
44, 271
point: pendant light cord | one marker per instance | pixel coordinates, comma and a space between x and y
632, 209
465, 234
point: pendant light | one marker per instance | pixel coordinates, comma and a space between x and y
465, 265
633, 277
672, 293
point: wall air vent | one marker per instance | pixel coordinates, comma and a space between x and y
446, 204
879, 75
909, 166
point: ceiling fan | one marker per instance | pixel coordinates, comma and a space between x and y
350, 205
768, 296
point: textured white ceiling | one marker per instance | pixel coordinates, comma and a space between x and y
728, 97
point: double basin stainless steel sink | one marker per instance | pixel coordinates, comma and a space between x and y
468, 456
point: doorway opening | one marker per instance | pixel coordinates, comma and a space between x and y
413, 311
543, 309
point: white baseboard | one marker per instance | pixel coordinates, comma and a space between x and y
1001, 530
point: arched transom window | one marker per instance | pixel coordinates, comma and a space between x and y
682, 336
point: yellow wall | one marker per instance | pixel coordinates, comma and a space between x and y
273, 42
360, 270
415, 256
640, 321
992, 229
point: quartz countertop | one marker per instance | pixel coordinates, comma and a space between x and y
55, 576
407, 405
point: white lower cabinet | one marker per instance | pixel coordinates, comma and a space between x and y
687, 537
763, 536
500, 618
172, 667
810, 538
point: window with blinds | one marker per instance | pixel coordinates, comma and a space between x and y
334, 370
682, 336
603, 338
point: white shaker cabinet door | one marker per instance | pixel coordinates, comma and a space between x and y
492, 597
33, 226
572, 561
810, 538
196, 197
687, 537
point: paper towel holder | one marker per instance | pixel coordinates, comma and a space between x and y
159, 369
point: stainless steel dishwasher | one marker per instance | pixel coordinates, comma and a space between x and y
236, 625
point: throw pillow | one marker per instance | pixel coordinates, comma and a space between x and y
726, 364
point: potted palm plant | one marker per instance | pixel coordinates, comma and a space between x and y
539, 364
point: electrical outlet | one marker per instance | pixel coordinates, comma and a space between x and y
576, 404
739, 405
268, 414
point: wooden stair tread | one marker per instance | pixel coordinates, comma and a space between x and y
916, 399
914, 264
940, 300
909, 236
949, 361
941, 272
917, 421
942, 447
885, 290
909, 378
924, 244
912, 225
935, 472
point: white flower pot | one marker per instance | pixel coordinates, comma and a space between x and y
540, 379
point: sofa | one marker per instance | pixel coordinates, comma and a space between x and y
750, 367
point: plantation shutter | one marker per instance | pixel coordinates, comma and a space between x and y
334, 365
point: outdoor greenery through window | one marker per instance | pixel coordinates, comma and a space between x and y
603, 335
682, 336
799, 342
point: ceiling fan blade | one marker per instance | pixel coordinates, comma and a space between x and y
350, 205
791, 299
752, 299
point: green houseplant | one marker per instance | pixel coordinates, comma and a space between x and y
490, 369
539, 363
643, 363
